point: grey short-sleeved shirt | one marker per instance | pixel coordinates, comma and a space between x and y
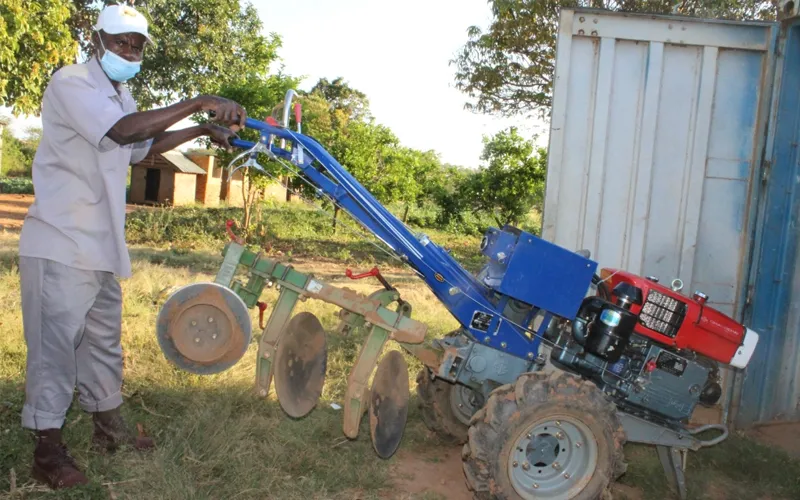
79, 174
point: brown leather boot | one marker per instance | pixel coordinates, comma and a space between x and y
52, 463
111, 432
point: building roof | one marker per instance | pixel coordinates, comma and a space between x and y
182, 163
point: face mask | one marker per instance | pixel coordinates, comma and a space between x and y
117, 68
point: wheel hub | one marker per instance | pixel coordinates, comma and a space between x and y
553, 459
464, 402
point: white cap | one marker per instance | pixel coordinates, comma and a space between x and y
116, 19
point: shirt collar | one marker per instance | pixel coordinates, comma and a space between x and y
102, 80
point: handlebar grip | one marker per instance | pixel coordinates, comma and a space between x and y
240, 143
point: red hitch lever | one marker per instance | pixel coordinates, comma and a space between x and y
228, 225
372, 272
261, 308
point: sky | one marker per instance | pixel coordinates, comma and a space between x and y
398, 54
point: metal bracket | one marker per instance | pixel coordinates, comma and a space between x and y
674, 462
639, 430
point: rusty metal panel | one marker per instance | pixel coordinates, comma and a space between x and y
657, 132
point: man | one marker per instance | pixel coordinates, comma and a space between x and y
72, 244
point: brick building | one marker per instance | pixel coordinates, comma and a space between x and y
176, 178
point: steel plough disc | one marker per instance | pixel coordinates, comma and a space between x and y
204, 328
388, 405
300, 365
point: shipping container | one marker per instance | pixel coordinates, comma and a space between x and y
673, 154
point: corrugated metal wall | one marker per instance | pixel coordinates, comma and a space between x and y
657, 130
770, 390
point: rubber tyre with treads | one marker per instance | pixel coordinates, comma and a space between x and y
537, 397
437, 414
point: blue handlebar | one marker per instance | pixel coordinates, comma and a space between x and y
239, 143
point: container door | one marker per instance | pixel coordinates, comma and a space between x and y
656, 142
770, 385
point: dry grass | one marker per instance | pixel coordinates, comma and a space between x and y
217, 440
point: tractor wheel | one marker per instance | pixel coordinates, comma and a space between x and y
446, 408
544, 437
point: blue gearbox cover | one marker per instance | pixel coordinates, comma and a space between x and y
534, 271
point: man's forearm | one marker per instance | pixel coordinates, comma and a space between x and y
144, 125
167, 141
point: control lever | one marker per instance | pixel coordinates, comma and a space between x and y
374, 272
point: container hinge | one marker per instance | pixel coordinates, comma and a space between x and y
765, 171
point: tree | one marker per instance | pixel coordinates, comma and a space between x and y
511, 183
341, 96
201, 45
35, 40
14, 161
509, 68
4, 121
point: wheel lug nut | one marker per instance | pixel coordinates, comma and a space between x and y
566, 475
194, 323
560, 435
578, 445
556, 466
525, 466
529, 435
535, 486
515, 464
197, 340
214, 336
210, 319
558, 423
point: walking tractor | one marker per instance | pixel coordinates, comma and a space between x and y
555, 366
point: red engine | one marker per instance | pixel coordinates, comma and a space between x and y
670, 318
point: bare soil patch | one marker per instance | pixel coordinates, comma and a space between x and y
783, 436
14, 207
438, 474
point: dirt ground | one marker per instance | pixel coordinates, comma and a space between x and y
13, 208
439, 473
784, 436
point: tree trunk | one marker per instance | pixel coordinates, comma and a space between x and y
245, 204
286, 181
405, 214
335, 214
1, 149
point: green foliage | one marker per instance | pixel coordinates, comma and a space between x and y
507, 188
511, 183
16, 185
18, 154
341, 96
201, 45
289, 231
35, 40
508, 69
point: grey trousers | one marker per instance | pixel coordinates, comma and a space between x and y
72, 321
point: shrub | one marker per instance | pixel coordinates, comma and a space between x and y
16, 185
